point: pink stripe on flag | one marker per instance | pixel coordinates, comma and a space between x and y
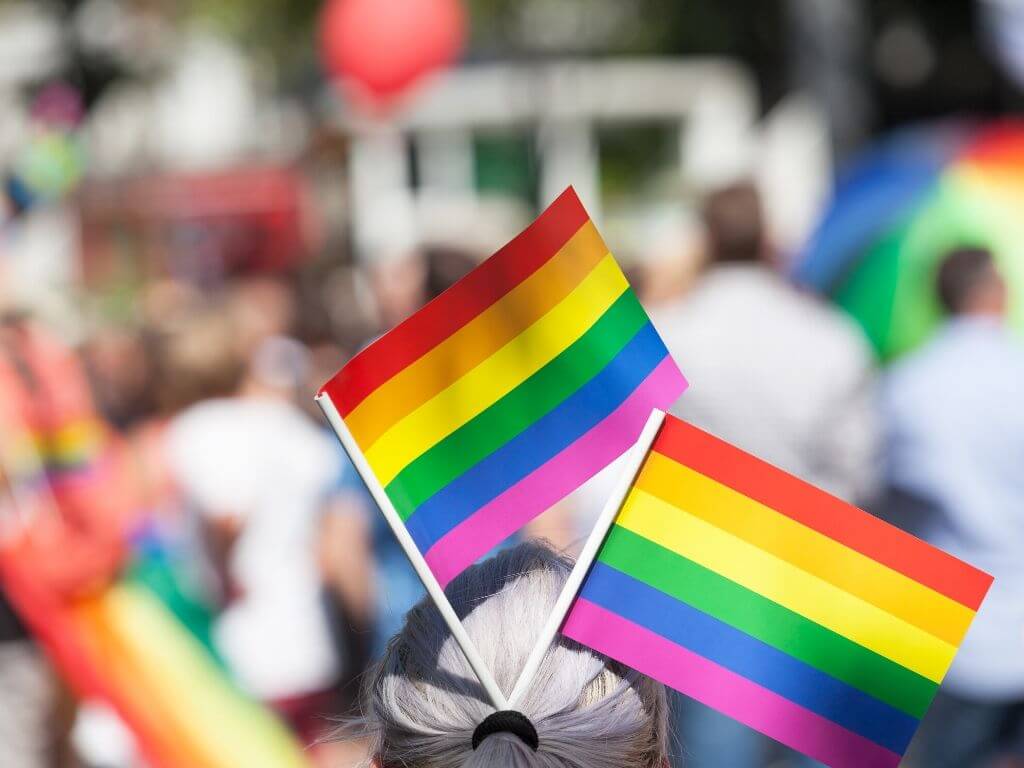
729, 693
507, 513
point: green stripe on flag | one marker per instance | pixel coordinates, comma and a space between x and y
513, 413
768, 621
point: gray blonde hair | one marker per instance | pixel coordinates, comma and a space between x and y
423, 701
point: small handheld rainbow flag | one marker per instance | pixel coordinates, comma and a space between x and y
508, 391
774, 602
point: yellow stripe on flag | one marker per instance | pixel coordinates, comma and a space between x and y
500, 373
77, 437
805, 548
165, 744
224, 728
787, 585
478, 339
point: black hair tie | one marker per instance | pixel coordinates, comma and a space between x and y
507, 721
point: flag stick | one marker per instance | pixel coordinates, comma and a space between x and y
413, 553
604, 523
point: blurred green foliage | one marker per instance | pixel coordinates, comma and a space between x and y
279, 33
284, 31
633, 155
505, 162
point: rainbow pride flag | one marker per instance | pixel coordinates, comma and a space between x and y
775, 603
508, 391
122, 646
65, 518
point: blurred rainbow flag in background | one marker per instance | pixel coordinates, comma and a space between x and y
507, 392
124, 647
775, 603
899, 207
133, 640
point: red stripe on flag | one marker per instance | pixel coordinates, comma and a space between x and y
439, 319
66, 641
823, 512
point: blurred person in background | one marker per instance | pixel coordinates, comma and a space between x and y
64, 516
954, 429
256, 473
396, 588
778, 374
398, 285
264, 307
28, 690
346, 553
117, 361
403, 284
27, 697
166, 362
344, 542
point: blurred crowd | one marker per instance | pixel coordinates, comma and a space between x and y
195, 424
932, 443
197, 421
198, 228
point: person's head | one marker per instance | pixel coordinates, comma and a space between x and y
446, 265
968, 283
423, 702
199, 359
399, 287
278, 368
403, 285
734, 225
119, 361
263, 306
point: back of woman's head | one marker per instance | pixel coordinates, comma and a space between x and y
423, 701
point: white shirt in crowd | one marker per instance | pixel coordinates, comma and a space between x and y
264, 462
777, 373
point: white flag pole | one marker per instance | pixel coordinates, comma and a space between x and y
604, 523
430, 581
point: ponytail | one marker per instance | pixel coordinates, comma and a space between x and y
423, 704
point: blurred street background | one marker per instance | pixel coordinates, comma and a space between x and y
208, 206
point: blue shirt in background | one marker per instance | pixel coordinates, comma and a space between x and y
954, 446
397, 586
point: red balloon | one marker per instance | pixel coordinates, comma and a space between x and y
378, 48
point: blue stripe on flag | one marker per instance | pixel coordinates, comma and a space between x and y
738, 652
539, 442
